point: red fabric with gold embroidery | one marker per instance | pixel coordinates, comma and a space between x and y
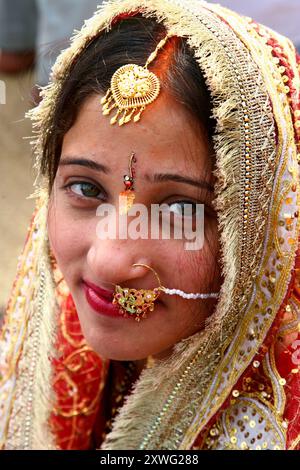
79, 379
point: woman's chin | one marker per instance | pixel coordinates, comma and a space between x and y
116, 354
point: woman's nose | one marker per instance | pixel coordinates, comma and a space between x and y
112, 261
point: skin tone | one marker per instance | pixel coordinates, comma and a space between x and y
177, 148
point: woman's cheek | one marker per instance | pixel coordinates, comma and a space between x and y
66, 237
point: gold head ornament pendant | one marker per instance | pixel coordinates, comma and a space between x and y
132, 88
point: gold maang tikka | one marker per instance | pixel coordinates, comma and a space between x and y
136, 303
132, 88
127, 197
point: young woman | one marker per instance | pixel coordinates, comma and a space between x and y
184, 104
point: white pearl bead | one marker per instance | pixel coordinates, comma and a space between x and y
190, 295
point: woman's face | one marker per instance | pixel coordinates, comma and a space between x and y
166, 140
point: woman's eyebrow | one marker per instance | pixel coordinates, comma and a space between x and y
161, 177
155, 178
86, 162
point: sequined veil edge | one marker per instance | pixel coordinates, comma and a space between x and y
257, 186
27, 338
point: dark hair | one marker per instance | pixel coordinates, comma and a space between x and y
130, 40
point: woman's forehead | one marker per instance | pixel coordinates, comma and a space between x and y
168, 134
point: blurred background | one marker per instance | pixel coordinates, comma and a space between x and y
32, 33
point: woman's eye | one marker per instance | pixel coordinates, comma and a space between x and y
85, 190
185, 208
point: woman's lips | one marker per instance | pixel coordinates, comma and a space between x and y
99, 290
101, 300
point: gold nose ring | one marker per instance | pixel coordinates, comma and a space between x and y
136, 303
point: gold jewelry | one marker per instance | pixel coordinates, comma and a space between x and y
136, 303
132, 88
127, 197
